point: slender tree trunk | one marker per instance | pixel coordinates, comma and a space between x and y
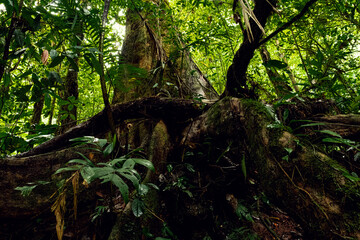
280, 85
38, 107
236, 76
70, 90
288, 69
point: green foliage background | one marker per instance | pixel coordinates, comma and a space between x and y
321, 51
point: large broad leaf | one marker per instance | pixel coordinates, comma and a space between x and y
145, 163
129, 163
101, 172
87, 174
109, 148
119, 183
138, 207
129, 175
73, 63
96, 64
56, 61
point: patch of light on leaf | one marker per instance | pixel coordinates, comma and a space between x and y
2, 7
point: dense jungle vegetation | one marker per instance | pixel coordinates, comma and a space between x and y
179, 119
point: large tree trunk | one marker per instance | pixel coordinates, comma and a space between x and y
167, 68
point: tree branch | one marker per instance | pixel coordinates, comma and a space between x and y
174, 110
289, 23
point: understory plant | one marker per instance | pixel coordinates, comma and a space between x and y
119, 171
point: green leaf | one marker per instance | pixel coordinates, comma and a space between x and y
153, 186
25, 74
70, 107
88, 160
129, 163
143, 189
101, 172
339, 140
146, 163
137, 207
330, 133
116, 160
25, 190
73, 63
64, 116
119, 183
66, 169
350, 176
80, 161
313, 124
190, 167
87, 173
56, 61
108, 150
357, 156
129, 175
7, 79
54, 77
243, 166
289, 150
96, 64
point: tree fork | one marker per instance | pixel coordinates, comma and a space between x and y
236, 76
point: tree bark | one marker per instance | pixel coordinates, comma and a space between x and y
310, 186
318, 193
70, 91
236, 76
155, 62
176, 110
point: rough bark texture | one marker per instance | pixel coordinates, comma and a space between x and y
155, 61
176, 110
15, 172
70, 90
232, 150
236, 76
38, 107
309, 185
